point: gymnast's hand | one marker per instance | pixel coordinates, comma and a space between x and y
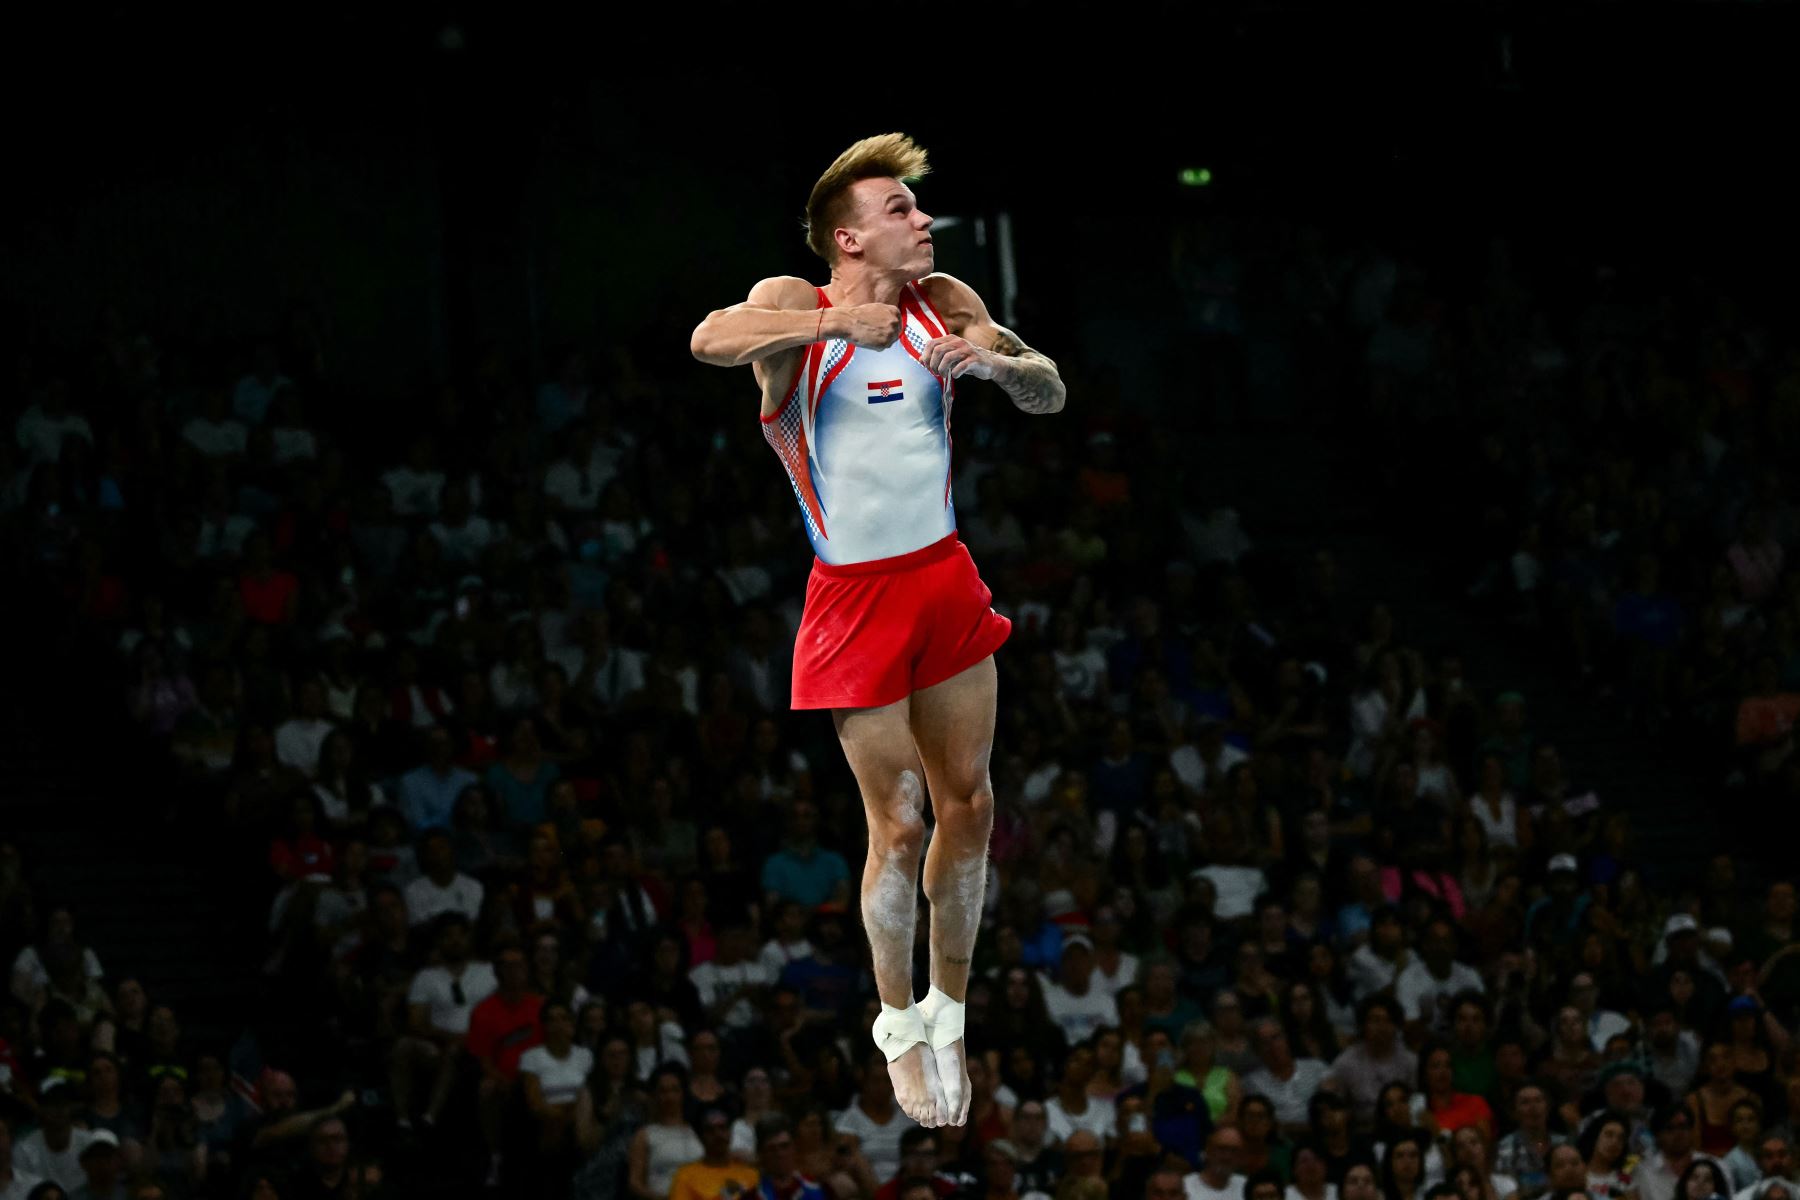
955, 357
876, 326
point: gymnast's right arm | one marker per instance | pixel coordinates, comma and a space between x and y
781, 314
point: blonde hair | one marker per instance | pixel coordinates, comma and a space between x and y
886, 155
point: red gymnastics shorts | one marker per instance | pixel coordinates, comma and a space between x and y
876, 632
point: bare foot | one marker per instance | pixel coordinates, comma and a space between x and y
914, 1076
953, 1076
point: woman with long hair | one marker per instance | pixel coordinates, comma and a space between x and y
1712, 1100
1472, 1149
1109, 1064
1756, 1039
666, 1143
758, 1096
1606, 1146
1446, 1109
1360, 1182
1703, 1180
1325, 971
551, 975
345, 794
1022, 1020
1394, 1123
1264, 1147
1310, 1180
1403, 1168
1308, 1026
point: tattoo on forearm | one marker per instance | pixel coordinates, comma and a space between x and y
1032, 382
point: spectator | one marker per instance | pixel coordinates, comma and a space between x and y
667, 1143
1377, 1060
428, 793
1658, 1176
501, 1028
441, 890
873, 1118
1524, 1154
1605, 1146
102, 1167
1286, 1082
802, 870
440, 1002
53, 1150
1429, 984
779, 1176
1074, 1001
1217, 1178
15, 1184
1071, 1108
1403, 1170
1446, 1109
714, 1174
300, 740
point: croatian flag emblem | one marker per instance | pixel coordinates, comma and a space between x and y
886, 390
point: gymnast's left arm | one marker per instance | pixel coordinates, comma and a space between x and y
979, 347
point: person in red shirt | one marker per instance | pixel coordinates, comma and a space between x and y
501, 1029
1446, 1109
270, 595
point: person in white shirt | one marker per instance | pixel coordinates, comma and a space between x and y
1114, 968
216, 433
441, 888
1287, 1082
1072, 1000
1659, 1172
1205, 755
415, 486
29, 975
1603, 1024
789, 943
42, 427
1375, 964
463, 533
1426, 987
437, 1020
874, 1119
1218, 1178
14, 1183
299, 739
731, 983
53, 1150
1072, 1108
552, 1074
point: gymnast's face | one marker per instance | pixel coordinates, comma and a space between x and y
890, 229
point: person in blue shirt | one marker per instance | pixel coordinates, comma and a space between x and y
428, 793
802, 870
778, 1161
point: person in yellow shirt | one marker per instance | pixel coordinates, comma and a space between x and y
715, 1176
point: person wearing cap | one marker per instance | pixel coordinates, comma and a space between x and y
1557, 918
52, 1151
1681, 952
100, 1163
15, 1183
715, 1175
1073, 1000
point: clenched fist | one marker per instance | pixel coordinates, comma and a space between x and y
875, 326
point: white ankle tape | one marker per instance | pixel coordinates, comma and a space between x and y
898, 1030
943, 1018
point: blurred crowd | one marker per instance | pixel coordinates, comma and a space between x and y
483, 696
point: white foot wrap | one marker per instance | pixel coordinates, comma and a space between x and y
943, 1018
898, 1030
